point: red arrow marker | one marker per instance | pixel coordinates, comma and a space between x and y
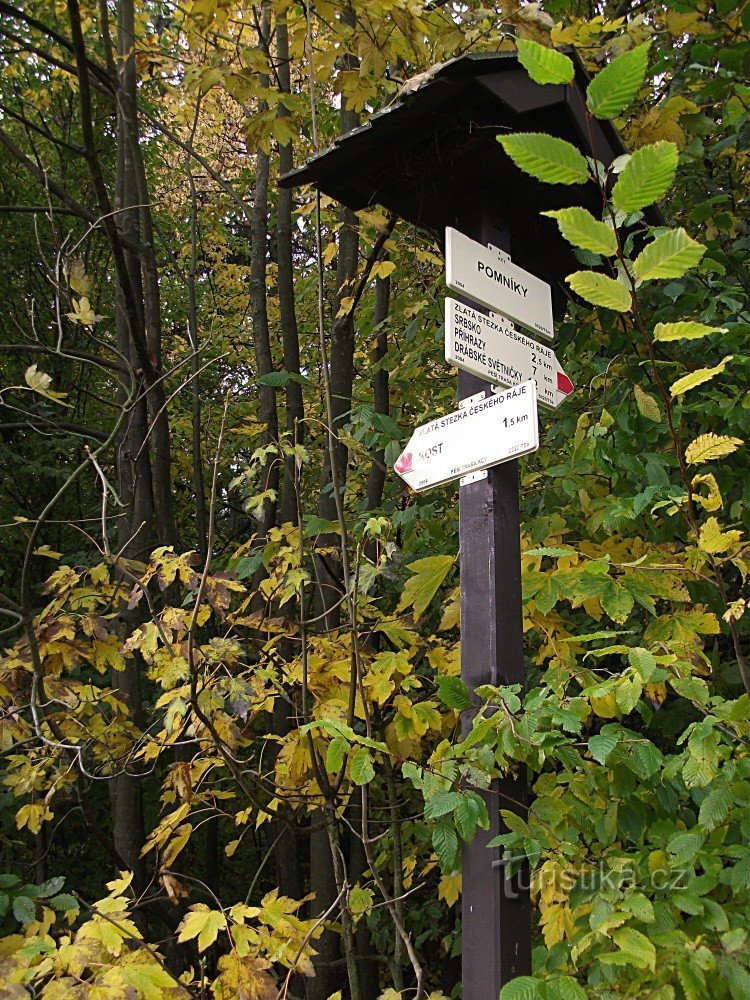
564, 384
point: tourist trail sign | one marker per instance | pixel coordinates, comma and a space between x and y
485, 431
490, 347
488, 276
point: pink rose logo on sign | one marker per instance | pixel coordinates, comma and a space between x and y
403, 463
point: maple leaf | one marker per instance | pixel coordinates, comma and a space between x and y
39, 381
202, 923
83, 313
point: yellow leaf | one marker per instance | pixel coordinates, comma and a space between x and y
32, 816
83, 313
420, 588
383, 269
451, 611
449, 888
656, 693
689, 23
243, 979
118, 885
202, 923
345, 306
176, 844
78, 279
329, 253
735, 611
556, 923
661, 123
647, 405
149, 979
698, 377
45, 550
605, 706
710, 446
40, 382
713, 540
713, 499
685, 330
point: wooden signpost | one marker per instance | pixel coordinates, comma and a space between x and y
496, 913
432, 158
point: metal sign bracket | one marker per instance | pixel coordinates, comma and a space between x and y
470, 400
472, 477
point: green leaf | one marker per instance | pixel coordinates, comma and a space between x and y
647, 177
600, 290
24, 909
564, 988
580, 228
360, 900
515, 823
715, 807
601, 746
692, 980
337, 750
445, 842
440, 804
429, 573
616, 601
360, 767
7, 880
610, 92
453, 693
544, 65
315, 525
684, 330
51, 887
549, 550
698, 377
546, 157
643, 661
645, 760
522, 988
64, 902
248, 565
647, 405
636, 947
471, 813
628, 692
668, 256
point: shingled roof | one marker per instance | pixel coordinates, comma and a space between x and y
432, 154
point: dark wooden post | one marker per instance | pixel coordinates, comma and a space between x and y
496, 912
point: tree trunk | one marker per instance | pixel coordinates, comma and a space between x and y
259, 311
381, 401
295, 411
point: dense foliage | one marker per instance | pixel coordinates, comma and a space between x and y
230, 676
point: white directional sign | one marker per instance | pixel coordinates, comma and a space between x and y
491, 348
488, 276
483, 433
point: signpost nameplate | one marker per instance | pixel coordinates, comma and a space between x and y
489, 277
484, 432
490, 347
